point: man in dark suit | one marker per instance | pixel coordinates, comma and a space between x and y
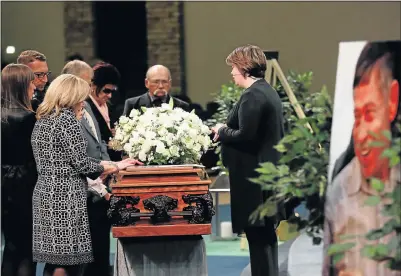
38, 63
158, 83
253, 127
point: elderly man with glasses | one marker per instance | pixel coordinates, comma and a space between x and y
38, 64
158, 83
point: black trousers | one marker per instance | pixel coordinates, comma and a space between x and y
16, 262
100, 235
263, 250
17, 184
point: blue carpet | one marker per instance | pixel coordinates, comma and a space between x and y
302, 211
226, 265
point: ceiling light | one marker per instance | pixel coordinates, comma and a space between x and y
10, 50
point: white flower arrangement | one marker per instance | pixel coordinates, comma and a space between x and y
162, 135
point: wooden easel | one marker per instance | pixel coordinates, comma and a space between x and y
274, 72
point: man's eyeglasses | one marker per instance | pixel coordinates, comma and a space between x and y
41, 75
108, 90
158, 82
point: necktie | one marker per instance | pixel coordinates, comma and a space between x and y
157, 102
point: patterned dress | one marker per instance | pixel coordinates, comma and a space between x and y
60, 221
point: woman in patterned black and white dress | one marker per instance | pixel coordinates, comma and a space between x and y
61, 236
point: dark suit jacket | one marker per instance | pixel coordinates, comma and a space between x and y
254, 126
146, 101
95, 149
105, 132
37, 99
97, 206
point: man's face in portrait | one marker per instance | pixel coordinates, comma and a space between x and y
375, 101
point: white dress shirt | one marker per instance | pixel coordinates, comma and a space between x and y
90, 122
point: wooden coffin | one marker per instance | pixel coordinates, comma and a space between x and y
148, 191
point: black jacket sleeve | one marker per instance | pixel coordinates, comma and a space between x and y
248, 118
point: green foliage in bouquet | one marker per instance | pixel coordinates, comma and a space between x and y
390, 252
301, 173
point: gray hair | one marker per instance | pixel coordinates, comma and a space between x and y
76, 68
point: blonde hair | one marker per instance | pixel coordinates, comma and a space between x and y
249, 59
65, 91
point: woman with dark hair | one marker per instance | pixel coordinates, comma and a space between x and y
18, 169
105, 81
254, 127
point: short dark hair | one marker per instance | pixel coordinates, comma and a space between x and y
105, 73
29, 56
389, 54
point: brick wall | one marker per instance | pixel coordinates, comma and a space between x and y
79, 29
164, 28
166, 41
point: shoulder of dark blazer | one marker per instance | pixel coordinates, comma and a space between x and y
262, 87
137, 99
18, 117
20, 114
261, 84
180, 103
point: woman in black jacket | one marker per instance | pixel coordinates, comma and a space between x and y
254, 127
18, 169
